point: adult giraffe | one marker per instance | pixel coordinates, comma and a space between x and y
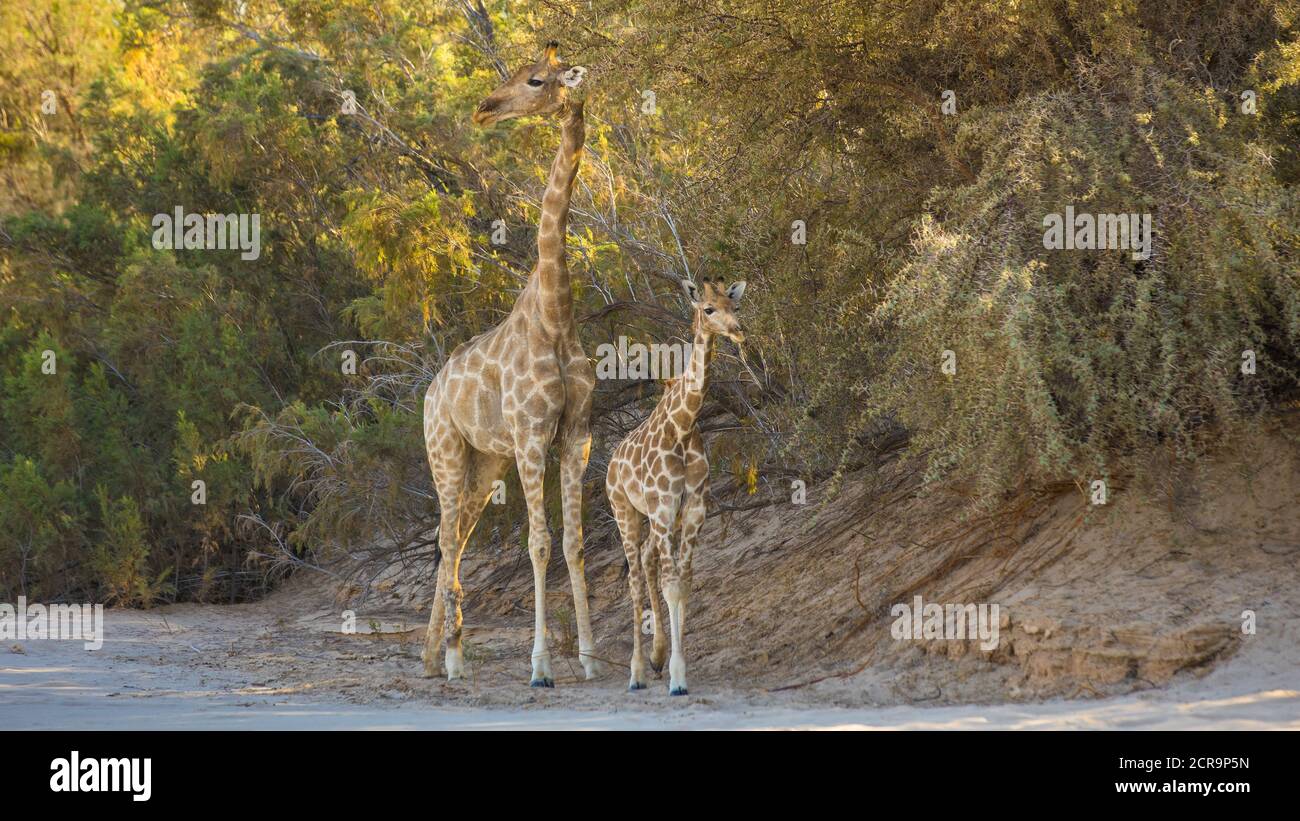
505, 394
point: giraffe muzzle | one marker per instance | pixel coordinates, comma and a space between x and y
483, 115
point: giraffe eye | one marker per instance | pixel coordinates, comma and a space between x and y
708, 310
534, 82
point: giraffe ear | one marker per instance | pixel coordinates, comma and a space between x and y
736, 291
692, 292
574, 76
552, 54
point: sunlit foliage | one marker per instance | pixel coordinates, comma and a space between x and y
713, 126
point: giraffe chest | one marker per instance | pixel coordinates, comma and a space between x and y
502, 389
656, 467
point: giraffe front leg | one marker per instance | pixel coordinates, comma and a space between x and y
675, 595
680, 588
573, 464
650, 567
670, 577
532, 474
629, 526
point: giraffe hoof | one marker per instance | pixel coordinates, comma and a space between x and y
634, 686
658, 668
541, 682
677, 691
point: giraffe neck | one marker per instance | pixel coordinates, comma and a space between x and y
689, 396
551, 277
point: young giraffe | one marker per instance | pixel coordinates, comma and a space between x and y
659, 472
505, 395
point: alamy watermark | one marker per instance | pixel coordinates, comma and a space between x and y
64, 622
952, 622
635, 360
1098, 232
128, 775
211, 232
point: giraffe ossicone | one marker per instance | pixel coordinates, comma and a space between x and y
659, 474
507, 394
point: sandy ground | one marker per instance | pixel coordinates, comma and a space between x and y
171, 669
1127, 615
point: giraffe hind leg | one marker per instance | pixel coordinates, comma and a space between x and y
433, 635
486, 469
483, 470
663, 522
449, 461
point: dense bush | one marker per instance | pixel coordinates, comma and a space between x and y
178, 370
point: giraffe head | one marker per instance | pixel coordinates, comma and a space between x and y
537, 88
715, 308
